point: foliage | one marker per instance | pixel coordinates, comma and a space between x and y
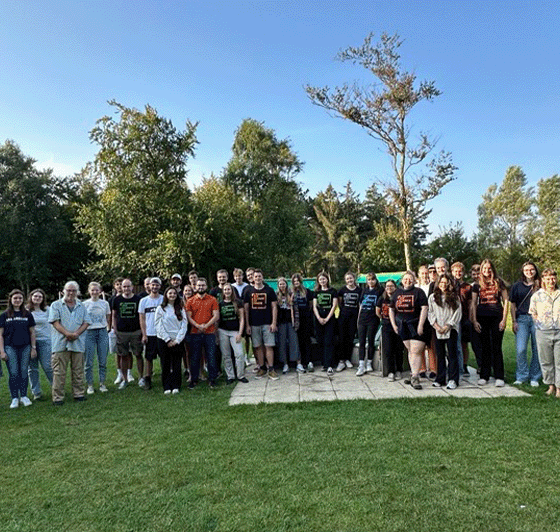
384, 109
452, 244
37, 245
141, 223
545, 228
262, 171
503, 218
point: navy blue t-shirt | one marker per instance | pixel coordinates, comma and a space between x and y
368, 303
16, 328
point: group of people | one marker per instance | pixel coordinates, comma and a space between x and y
194, 331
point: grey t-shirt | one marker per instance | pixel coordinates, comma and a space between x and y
97, 311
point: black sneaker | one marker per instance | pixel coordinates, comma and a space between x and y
80, 399
407, 381
212, 384
432, 376
58, 403
191, 385
148, 381
423, 375
243, 379
230, 381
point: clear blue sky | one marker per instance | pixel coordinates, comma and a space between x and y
497, 63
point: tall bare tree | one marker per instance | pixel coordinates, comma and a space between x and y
383, 109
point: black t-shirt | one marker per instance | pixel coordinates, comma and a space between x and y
384, 303
368, 302
217, 293
408, 303
302, 301
260, 304
489, 300
16, 328
349, 300
126, 310
229, 319
520, 294
325, 301
284, 310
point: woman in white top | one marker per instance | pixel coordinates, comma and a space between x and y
37, 304
97, 336
171, 327
444, 313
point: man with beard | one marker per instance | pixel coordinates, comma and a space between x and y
147, 310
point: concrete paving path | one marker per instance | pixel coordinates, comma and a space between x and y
294, 388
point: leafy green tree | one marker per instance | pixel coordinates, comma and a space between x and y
384, 110
452, 244
262, 171
142, 221
37, 245
545, 228
503, 218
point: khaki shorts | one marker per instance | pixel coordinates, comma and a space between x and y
261, 334
129, 342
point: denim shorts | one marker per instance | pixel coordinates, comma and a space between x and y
261, 334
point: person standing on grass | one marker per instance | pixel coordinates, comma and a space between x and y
261, 317
475, 336
17, 346
203, 313
490, 309
230, 333
117, 291
303, 300
249, 274
239, 284
188, 292
444, 313
97, 336
288, 323
368, 323
37, 305
408, 313
126, 322
175, 282
464, 291
171, 327
147, 310
392, 348
524, 326
325, 301
545, 311
70, 320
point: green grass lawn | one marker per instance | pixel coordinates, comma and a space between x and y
140, 461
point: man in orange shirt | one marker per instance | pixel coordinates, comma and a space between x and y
203, 313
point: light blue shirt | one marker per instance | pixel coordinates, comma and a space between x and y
71, 320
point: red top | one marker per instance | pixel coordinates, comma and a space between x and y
202, 310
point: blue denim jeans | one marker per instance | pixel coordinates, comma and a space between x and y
18, 366
208, 340
44, 354
526, 330
96, 340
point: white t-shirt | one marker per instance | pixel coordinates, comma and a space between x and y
148, 307
97, 311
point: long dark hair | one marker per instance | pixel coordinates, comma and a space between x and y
449, 297
42, 306
11, 309
177, 305
495, 281
385, 295
536, 279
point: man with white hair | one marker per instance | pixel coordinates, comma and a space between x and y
69, 319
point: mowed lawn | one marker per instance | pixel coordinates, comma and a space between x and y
135, 460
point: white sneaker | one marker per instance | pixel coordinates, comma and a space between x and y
518, 383
348, 364
103, 388
14, 403
175, 391
500, 383
123, 385
141, 382
391, 377
285, 369
361, 370
119, 378
130, 377
90, 390
398, 376
25, 401
451, 385
436, 384
341, 366
535, 384
300, 368
482, 382
167, 392
310, 367
330, 372
369, 367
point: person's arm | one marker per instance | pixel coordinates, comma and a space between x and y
422, 320
183, 328
333, 308
3, 354
33, 342
505, 303
159, 325
113, 320
142, 317
474, 303
316, 312
109, 319
246, 313
274, 326
393, 320
241, 316
215, 317
513, 310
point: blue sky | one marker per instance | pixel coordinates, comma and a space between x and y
497, 63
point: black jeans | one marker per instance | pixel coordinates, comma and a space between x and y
367, 331
452, 366
347, 325
491, 341
170, 358
392, 349
325, 341
304, 333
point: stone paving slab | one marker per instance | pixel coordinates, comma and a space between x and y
294, 387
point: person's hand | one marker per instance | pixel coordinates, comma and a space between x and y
33, 352
502, 325
171, 343
248, 330
515, 327
144, 339
420, 330
273, 328
477, 326
3, 355
238, 338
